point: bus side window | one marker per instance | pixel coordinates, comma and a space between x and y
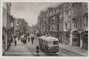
55, 42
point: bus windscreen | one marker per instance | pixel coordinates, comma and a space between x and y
55, 42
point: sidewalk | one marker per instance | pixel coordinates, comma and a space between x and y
32, 48
74, 49
18, 50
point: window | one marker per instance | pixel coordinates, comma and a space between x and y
61, 10
51, 13
69, 12
54, 11
57, 27
60, 16
87, 22
49, 43
76, 24
87, 19
53, 18
57, 11
55, 42
84, 25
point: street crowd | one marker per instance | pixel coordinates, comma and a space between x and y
27, 38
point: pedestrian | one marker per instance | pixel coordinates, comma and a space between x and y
37, 50
29, 38
19, 37
22, 38
32, 38
15, 42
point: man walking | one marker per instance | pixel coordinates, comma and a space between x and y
32, 38
15, 42
29, 38
37, 50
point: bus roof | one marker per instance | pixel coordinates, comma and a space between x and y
48, 38
43, 37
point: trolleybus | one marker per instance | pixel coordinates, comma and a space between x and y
49, 44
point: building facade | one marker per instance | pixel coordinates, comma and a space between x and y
21, 26
79, 25
6, 26
68, 22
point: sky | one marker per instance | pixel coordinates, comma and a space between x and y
30, 10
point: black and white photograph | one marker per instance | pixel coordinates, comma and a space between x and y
45, 29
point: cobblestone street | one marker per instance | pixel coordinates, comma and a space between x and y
29, 49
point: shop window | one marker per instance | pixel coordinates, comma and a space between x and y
87, 22
74, 39
67, 35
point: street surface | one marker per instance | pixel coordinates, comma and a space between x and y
29, 49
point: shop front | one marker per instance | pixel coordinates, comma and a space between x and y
66, 37
60, 34
75, 38
84, 38
4, 40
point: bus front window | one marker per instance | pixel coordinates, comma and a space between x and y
50, 43
55, 42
